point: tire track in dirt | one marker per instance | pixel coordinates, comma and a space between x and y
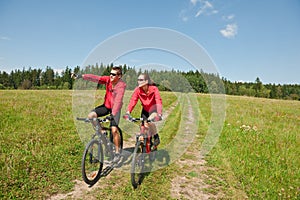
193, 186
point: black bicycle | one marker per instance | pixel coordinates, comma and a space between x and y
143, 147
97, 159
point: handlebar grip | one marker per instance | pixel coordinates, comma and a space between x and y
81, 118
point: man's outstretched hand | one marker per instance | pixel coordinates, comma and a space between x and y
76, 76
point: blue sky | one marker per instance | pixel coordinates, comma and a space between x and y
244, 39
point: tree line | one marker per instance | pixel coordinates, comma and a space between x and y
174, 80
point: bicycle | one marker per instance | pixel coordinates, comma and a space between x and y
143, 147
99, 152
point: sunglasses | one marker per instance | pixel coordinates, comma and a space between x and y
141, 79
113, 74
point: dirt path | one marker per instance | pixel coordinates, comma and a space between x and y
190, 183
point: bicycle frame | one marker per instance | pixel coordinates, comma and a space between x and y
143, 133
100, 130
142, 147
98, 154
146, 143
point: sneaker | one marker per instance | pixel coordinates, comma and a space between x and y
117, 158
156, 140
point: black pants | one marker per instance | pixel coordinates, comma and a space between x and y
102, 111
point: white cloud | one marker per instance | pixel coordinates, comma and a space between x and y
230, 31
4, 38
206, 8
197, 8
228, 17
194, 2
183, 16
214, 12
207, 4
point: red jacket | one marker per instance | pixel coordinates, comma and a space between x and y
151, 102
114, 95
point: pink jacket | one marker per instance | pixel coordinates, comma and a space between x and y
150, 102
114, 95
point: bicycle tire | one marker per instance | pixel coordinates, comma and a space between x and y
137, 165
92, 162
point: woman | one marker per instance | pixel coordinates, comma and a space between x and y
151, 101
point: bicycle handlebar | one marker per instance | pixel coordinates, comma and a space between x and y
133, 119
93, 119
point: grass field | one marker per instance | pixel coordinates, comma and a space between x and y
260, 144
257, 153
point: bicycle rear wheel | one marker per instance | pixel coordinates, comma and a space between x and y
137, 165
92, 162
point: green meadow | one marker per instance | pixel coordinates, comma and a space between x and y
257, 153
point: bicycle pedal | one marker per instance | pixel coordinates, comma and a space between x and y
106, 171
154, 148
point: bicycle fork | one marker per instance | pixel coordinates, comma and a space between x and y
147, 140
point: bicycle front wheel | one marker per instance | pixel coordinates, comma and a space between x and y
137, 165
92, 162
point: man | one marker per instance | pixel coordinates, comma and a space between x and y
113, 101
